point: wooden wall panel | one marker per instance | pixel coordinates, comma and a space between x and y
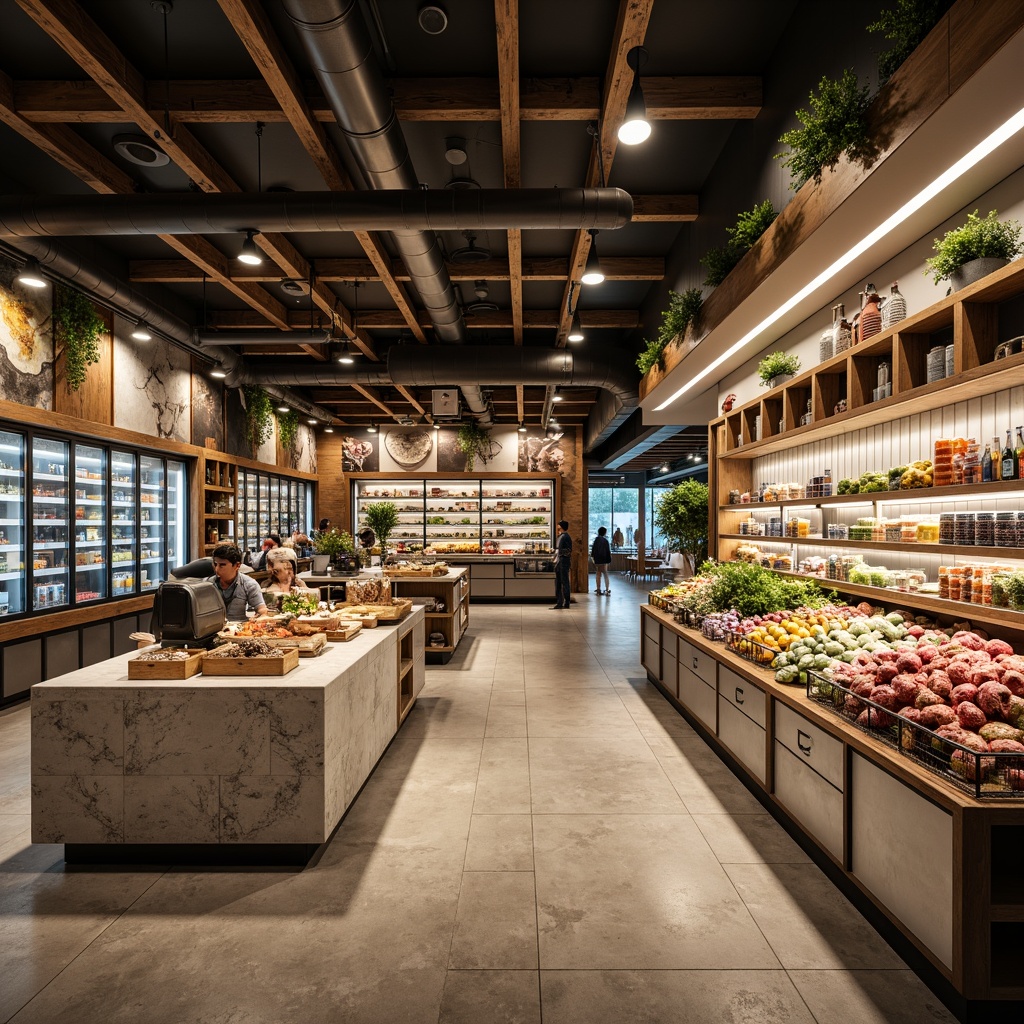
94, 400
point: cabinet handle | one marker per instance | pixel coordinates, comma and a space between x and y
695, 663
801, 736
739, 695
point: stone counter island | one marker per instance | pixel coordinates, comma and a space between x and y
214, 769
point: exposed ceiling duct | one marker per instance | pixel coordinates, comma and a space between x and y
410, 214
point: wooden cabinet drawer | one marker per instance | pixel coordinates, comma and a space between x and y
695, 695
743, 695
669, 673
652, 627
810, 744
816, 804
697, 661
744, 738
651, 658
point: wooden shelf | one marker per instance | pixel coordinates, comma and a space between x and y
881, 545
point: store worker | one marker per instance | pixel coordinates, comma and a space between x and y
238, 590
282, 564
601, 553
563, 556
270, 542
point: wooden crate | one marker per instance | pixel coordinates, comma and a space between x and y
143, 667
307, 646
345, 631
398, 609
289, 659
366, 621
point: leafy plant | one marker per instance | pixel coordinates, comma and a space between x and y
259, 417
651, 355
333, 542
836, 123
288, 430
681, 514
752, 590
77, 326
905, 25
683, 309
474, 442
776, 363
300, 604
978, 238
382, 518
749, 227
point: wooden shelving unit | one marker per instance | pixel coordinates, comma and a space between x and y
453, 589
220, 486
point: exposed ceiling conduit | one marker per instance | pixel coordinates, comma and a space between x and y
120, 296
411, 214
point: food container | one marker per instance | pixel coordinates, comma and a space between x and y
928, 532
1009, 348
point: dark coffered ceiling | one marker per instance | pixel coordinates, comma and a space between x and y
73, 75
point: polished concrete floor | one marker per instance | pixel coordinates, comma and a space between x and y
545, 840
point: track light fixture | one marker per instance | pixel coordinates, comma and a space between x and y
312, 422
31, 275
250, 253
142, 332
522, 427
592, 272
436, 426
576, 328
328, 430
346, 354
219, 374
372, 428
557, 396
283, 408
635, 128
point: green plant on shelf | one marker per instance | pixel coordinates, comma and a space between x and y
288, 431
776, 364
905, 25
979, 238
333, 542
77, 327
749, 227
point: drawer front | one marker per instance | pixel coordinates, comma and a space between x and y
697, 661
744, 738
652, 657
652, 627
810, 744
697, 696
487, 571
743, 695
669, 673
489, 587
817, 805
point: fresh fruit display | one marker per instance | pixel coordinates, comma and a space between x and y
918, 474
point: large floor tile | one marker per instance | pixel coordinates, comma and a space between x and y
506, 720
598, 911
645, 997
503, 783
869, 997
807, 920
749, 839
489, 897
623, 787
706, 786
508, 997
500, 842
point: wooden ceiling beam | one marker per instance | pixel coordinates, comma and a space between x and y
664, 208
389, 319
668, 97
371, 395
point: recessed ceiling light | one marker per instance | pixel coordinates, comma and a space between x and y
433, 19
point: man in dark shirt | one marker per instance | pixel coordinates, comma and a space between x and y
563, 556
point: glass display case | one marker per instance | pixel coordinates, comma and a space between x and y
450, 516
12, 523
103, 522
268, 503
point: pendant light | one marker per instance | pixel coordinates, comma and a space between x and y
142, 332
635, 128
592, 272
250, 253
576, 328
31, 275
522, 427
346, 354
372, 428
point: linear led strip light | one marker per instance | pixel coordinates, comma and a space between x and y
1004, 132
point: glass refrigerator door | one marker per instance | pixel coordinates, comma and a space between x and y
124, 536
274, 486
12, 523
50, 524
176, 529
263, 507
91, 543
151, 530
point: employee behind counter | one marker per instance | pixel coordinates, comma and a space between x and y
239, 591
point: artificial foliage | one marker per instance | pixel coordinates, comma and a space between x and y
288, 430
77, 326
749, 227
979, 238
905, 25
474, 442
835, 124
681, 514
259, 417
651, 355
776, 363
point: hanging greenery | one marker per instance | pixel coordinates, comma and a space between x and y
77, 326
836, 124
683, 309
651, 355
749, 227
259, 417
905, 25
474, 442
288, 430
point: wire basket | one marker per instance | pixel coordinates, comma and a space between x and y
662, 603
993, 775
686, 617
750, 650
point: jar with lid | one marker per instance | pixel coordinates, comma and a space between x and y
1006, 529
928, 532
946, 528
985, 529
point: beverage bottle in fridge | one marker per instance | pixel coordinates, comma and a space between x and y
1010, 465
986, 465
997, 459
1019, 450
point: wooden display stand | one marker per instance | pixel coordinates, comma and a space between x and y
453, 589
220, 483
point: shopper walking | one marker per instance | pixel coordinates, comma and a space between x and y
563, 556
601, 553
617, 539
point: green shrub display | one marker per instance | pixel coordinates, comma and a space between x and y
905, 25
749, 227
980, 237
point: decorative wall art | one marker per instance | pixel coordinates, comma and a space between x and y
26, 341
153, 386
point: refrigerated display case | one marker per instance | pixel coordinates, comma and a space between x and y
91, 566
269, 503
12, 523
50, 547
123, 523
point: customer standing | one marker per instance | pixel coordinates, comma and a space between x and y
563, 556
601, 553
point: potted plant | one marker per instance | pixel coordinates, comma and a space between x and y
777, 367
681, 514
330, 547
975, 249
382, 518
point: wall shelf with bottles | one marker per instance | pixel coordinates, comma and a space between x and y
220, 482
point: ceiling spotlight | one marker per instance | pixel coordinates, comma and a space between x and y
635, 128
250, 253
576, 330
346, 354
219, 374
557, 396
592, 272
142, 332
522, 428
328, 430
665, 468
436, 426
372, 428
312, 422
31, 275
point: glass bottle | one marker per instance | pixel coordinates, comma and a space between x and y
1010, 464
986, 465
870, 315
895, 308
843, 334
997, 461
1019, 450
